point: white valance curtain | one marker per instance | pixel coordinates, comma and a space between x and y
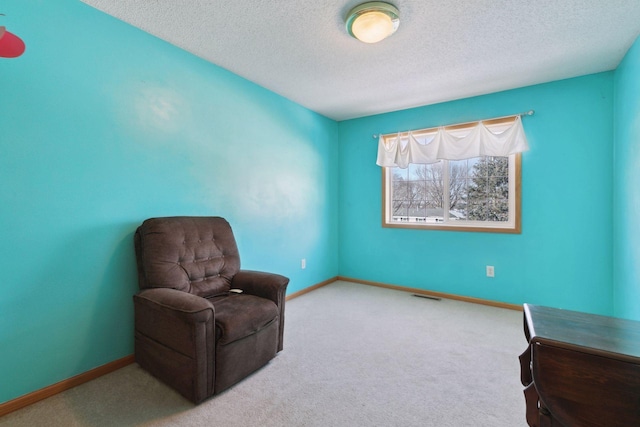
480, 141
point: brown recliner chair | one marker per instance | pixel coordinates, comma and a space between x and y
193, 330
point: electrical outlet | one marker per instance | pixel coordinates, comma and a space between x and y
303, 263
490, 271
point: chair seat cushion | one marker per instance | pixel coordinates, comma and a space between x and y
240, 315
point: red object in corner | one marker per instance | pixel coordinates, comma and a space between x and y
11, 46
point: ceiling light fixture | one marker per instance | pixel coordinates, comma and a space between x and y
373, 21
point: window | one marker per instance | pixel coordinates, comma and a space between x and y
477, 194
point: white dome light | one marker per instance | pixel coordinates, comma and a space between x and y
373, 21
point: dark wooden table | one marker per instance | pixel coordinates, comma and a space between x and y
580, 369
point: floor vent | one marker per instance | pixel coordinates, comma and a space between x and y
427, 297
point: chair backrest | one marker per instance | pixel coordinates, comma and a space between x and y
191, 254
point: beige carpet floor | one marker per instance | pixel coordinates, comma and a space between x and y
354, 355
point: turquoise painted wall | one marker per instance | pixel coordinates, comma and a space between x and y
626, 186
563, 256
102, 126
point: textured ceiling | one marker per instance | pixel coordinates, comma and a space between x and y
443, 50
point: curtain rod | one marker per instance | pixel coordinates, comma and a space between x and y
525, 113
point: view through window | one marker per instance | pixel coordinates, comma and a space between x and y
478, 194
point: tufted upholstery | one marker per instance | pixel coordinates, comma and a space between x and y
197, 255
190, 330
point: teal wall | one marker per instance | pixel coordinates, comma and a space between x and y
102, 126
626, 186
563, 256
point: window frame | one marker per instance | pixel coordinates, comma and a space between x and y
514, 226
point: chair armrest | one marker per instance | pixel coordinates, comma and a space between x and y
266, 285
179, 304
173, 317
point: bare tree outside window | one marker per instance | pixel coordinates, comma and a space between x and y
422, 187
